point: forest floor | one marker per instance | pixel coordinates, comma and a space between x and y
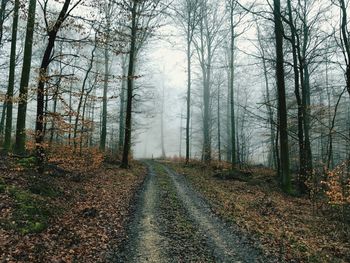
173, 223
291, 228
64, 217
161, 211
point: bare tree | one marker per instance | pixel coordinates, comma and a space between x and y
52, 31
282, 108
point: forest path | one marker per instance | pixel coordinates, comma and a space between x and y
173, 223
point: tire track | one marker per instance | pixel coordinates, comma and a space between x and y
228, 243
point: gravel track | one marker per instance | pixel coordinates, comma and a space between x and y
154, 235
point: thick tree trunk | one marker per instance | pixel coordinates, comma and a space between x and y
11, 81
23, 89
282, 107
128, 118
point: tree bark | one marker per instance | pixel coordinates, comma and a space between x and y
122, 106
232, 103
301, 142
128, 120
188, 113
23, 89
2, 17
39, 125
11, 81
282, 107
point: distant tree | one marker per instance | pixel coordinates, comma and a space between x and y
208, 39
187, 13
344, 35
141, 15
108, 8
83, 93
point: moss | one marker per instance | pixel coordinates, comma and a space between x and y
31, 215
27, 163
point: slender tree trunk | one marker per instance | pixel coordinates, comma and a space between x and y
331, 130
122, 107
2, 121
345, 39
82, 91
219, 124
232, 104
305, 85
228, 122
23, 89
301, 142
181, 128
104, 104
282, 107
272, 154
82, 127
128, 119
2, 18
93, 101
54, 111
188, 117
39, 125
11, 81
162, 124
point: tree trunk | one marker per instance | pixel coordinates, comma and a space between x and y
11, 81
39, 125
301, 143
2, 121
2, 17
122, 107
162, 124
232, 104
345, 40
305, 85
104, 102
219, 125
23, 89
82, 91
188, 117
128, 120
282, 107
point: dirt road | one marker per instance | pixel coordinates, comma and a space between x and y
173, 223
